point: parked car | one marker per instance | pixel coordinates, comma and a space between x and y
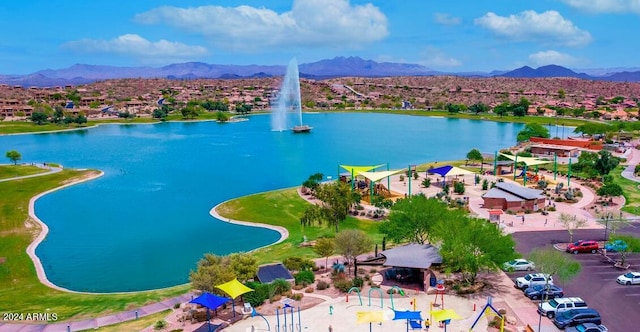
587, 327
532, 279
519, 264
629, 278
555, 306
577, 316
583, 246
616, 246
536, 292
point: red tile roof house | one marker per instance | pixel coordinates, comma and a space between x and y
513, 197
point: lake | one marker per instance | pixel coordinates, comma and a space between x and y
146, 223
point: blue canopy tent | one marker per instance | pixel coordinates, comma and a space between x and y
413, 318
448, 170
211, 302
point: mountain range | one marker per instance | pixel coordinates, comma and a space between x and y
323, 69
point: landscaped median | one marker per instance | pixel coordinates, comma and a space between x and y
20, 289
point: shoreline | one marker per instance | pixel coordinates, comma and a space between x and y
31, 249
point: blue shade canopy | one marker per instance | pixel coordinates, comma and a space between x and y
210, 301
415, 315
449, 171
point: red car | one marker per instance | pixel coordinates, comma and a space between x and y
583, 246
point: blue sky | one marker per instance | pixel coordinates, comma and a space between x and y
461, 35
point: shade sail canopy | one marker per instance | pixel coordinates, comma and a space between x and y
529, 161
449, 171
376, 176
440, 315
370, 317
357, 169
234, 288
415, 315
210, 301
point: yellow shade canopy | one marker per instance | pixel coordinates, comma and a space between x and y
358, 169
440, 315
234, 288
370, 317
529, 161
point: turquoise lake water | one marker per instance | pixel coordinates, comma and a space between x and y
146, 222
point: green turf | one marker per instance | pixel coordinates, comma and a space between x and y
135, 325
284, 208
630, 189
20, 289
10, 171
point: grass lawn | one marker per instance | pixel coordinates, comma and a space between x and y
284, 208
10, 171
630, 189
135, 325
20, 289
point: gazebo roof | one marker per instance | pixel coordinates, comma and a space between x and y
418, 256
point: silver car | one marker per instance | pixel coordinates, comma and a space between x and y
587, 327
519, 264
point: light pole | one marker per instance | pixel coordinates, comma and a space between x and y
607, 217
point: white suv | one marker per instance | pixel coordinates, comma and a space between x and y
533, 279
561, 304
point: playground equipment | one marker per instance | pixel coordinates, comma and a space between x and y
357, 290
255, 313
400, 291
485, 311
381, 299
286, 327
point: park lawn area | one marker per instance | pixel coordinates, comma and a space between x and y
134, 325
20, 289
630, 189
23, 127
284, 208
10, 171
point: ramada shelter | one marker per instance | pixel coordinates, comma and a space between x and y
513, 197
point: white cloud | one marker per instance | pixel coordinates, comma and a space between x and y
325, 23
606, 6
436, 58
552, 57
446, 19
548, 28
132, 44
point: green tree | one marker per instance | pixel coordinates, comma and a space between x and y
352, 242
190, 111
39, 117
313, 181
606, 163
212, 270
222, 116
470, 245
244, 108
413, 219
610, 189
325, 247
336, 198
501, 109
479, 108
532, 130
80, 119
14, 156
244, 265
561, 93
159, 113
475, 154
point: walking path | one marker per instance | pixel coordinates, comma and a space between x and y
50, 169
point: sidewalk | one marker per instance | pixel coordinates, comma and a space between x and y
88, 324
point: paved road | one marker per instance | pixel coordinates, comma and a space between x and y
618, 305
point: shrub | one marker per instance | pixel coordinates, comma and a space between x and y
610, 189
485, 184
357, 282
159, 325
401, 178
261, 292
415, 175
309, 290
458, 188
305, 278
342, 284
322, 285
280, 286
297, 296
298, 263
298, 287
426, 183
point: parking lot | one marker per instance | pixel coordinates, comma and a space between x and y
619, 305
